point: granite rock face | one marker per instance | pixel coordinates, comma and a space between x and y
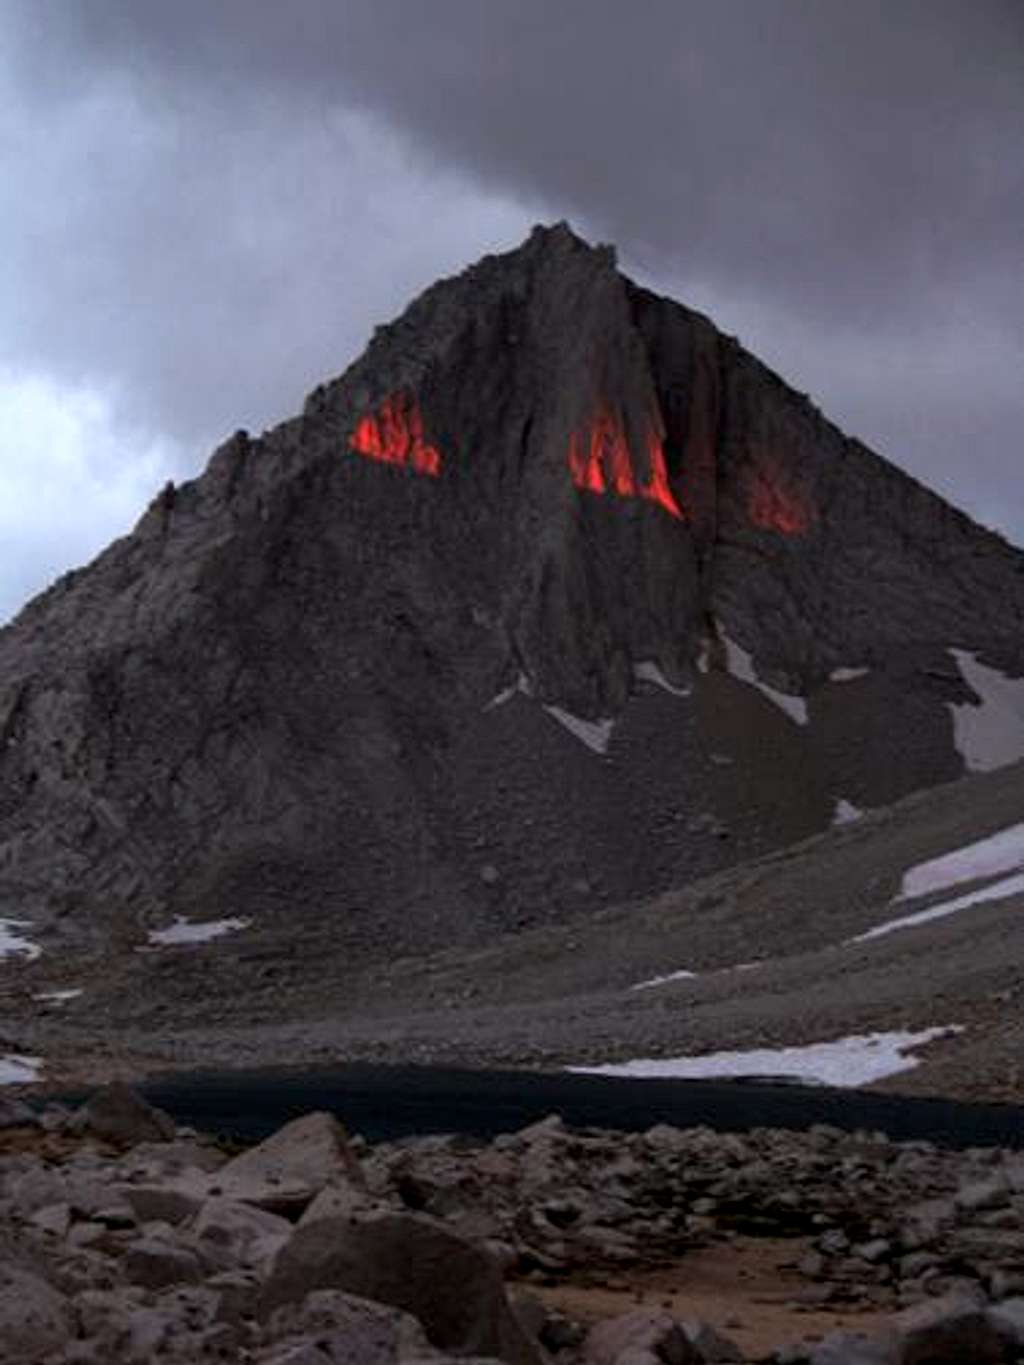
556, 597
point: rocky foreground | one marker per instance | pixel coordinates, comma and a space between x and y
124, 1239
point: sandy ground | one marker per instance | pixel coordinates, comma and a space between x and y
746, 1288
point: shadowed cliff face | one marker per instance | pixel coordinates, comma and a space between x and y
557, 597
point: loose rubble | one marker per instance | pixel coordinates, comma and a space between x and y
125, 1239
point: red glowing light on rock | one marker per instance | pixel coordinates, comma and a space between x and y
600, 460
773, 507
658, 488
394, 435
586, 470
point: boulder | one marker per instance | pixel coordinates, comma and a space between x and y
16, 1114
1008, 1320
54, 1219
293, 1352
131, 1327
411, 1262
285, 1172
155, 1264
851, 1348
643, 1335
34, 1188
340, 1201
34, 1317
980, 1195
374, 1333
154, 1161
713, 1347
953, 1330
251, 1236
171, 1203
118, 1115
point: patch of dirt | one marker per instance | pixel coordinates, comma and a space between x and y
747, 1288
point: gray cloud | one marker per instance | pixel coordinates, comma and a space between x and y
218, 198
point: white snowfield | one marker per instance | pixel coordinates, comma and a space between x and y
182, 931
741, 666
841, 675
595, 734
856, 1060
648, 671
58, 997
12, 944
684, 975
681, 975
845, 812
1008, 886
992, 734
521, 687
15, 1070
999, 854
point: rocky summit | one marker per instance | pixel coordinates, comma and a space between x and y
556, 599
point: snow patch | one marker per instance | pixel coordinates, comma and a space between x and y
841, 675
595, 734
857, 1060
1009, 886
12, 944
992, 734
15, 1070
845, 812
181, 931
681, 975
741, 666
57, 997
520, 686
648, 671
999, 853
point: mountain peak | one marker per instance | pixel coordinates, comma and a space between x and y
562, 237
353, 663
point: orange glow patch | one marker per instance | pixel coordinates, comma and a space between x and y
772, 507
394, 435
586, 470
600, 460
658, 488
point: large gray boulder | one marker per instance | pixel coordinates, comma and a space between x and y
119, 1115
852, 1348
413, 1263
284, 1173
34, 1317
251, 1236
952, 1330
644, 1337
155, 1264
360, 1331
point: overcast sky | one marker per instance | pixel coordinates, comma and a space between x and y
206, 206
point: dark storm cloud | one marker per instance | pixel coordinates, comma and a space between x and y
213, 245
223, 198
846, 150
